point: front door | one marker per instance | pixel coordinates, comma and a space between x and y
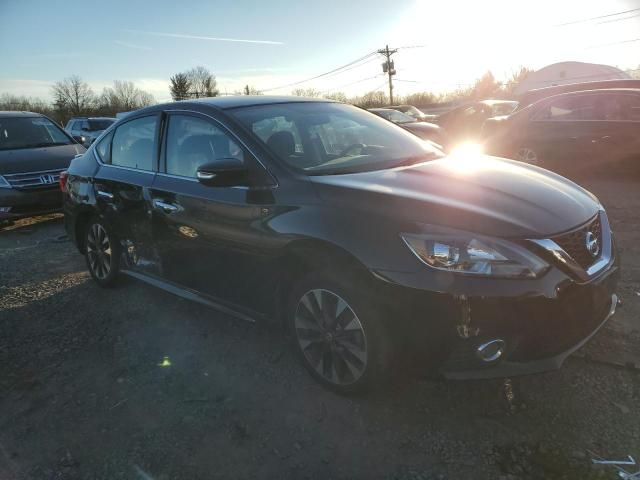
121, 188
210, 239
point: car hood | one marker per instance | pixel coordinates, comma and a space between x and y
38, 159
481, 194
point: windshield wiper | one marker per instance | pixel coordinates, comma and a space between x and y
47, 144
414, 160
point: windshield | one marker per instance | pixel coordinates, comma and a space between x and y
395, 116
503, 108
332, 138
412, 111
30, 132
99, 124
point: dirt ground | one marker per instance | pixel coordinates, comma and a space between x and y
133, 383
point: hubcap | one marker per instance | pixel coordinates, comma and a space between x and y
527, 155
99, 251
331, 337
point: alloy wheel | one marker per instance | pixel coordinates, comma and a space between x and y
331, 337
99, 251
527, 155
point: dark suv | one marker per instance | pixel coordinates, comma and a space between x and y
33, 152
86, 129
572, 132
366, 242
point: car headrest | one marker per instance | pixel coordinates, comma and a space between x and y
282, 143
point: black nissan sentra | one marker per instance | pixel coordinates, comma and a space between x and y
33, 152
369, 244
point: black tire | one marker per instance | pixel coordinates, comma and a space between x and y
341, 348
101, 252
529, 155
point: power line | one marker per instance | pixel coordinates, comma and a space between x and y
614, 43
335, 70
352, 83
619, 19
574, 22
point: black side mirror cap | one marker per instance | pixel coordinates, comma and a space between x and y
223, 172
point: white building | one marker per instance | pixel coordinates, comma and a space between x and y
569, 72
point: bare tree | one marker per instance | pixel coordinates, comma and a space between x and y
306, 92
124, 96
73, 95
180, 86
337, 96
203, 82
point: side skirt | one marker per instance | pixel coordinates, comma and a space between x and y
186, 293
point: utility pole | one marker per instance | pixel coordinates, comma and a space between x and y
388, 67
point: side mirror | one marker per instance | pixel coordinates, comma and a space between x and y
224, 172
85, 129
80, 139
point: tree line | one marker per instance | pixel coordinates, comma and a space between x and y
73, 96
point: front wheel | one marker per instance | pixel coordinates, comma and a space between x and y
102, 253
338, 334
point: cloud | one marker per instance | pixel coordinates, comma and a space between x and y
199, 37
132, 45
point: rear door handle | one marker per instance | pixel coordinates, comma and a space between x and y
105, 195
164, 206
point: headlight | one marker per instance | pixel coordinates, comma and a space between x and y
471, 254
4, 183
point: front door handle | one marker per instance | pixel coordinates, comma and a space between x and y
105, 195
164, 206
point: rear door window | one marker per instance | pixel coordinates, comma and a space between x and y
134, 144
571, 108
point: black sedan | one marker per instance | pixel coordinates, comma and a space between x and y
572, 132
424, 130
33, 152
363, 240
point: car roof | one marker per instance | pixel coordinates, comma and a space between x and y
92, 118
599, 90
7, 114
236, 101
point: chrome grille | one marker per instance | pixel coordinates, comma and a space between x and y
574, 243
34, 180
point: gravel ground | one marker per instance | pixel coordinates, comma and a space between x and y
133, 383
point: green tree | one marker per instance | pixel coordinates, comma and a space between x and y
179, 86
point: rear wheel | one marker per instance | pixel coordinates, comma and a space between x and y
338, 333
528, 155
102, 252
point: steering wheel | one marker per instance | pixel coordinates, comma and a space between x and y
344, 151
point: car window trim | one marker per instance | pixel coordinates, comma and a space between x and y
162, 165
601, 94
108, 131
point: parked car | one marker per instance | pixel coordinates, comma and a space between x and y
572, 132
86, 129
33, 152
464, 123
532, 96
415, 113
424, 130
363, 240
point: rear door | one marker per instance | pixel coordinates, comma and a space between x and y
618, 136
129, 156
210, 239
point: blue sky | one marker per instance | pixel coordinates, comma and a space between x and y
275, 42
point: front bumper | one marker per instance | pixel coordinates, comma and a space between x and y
27, 203
509, 368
